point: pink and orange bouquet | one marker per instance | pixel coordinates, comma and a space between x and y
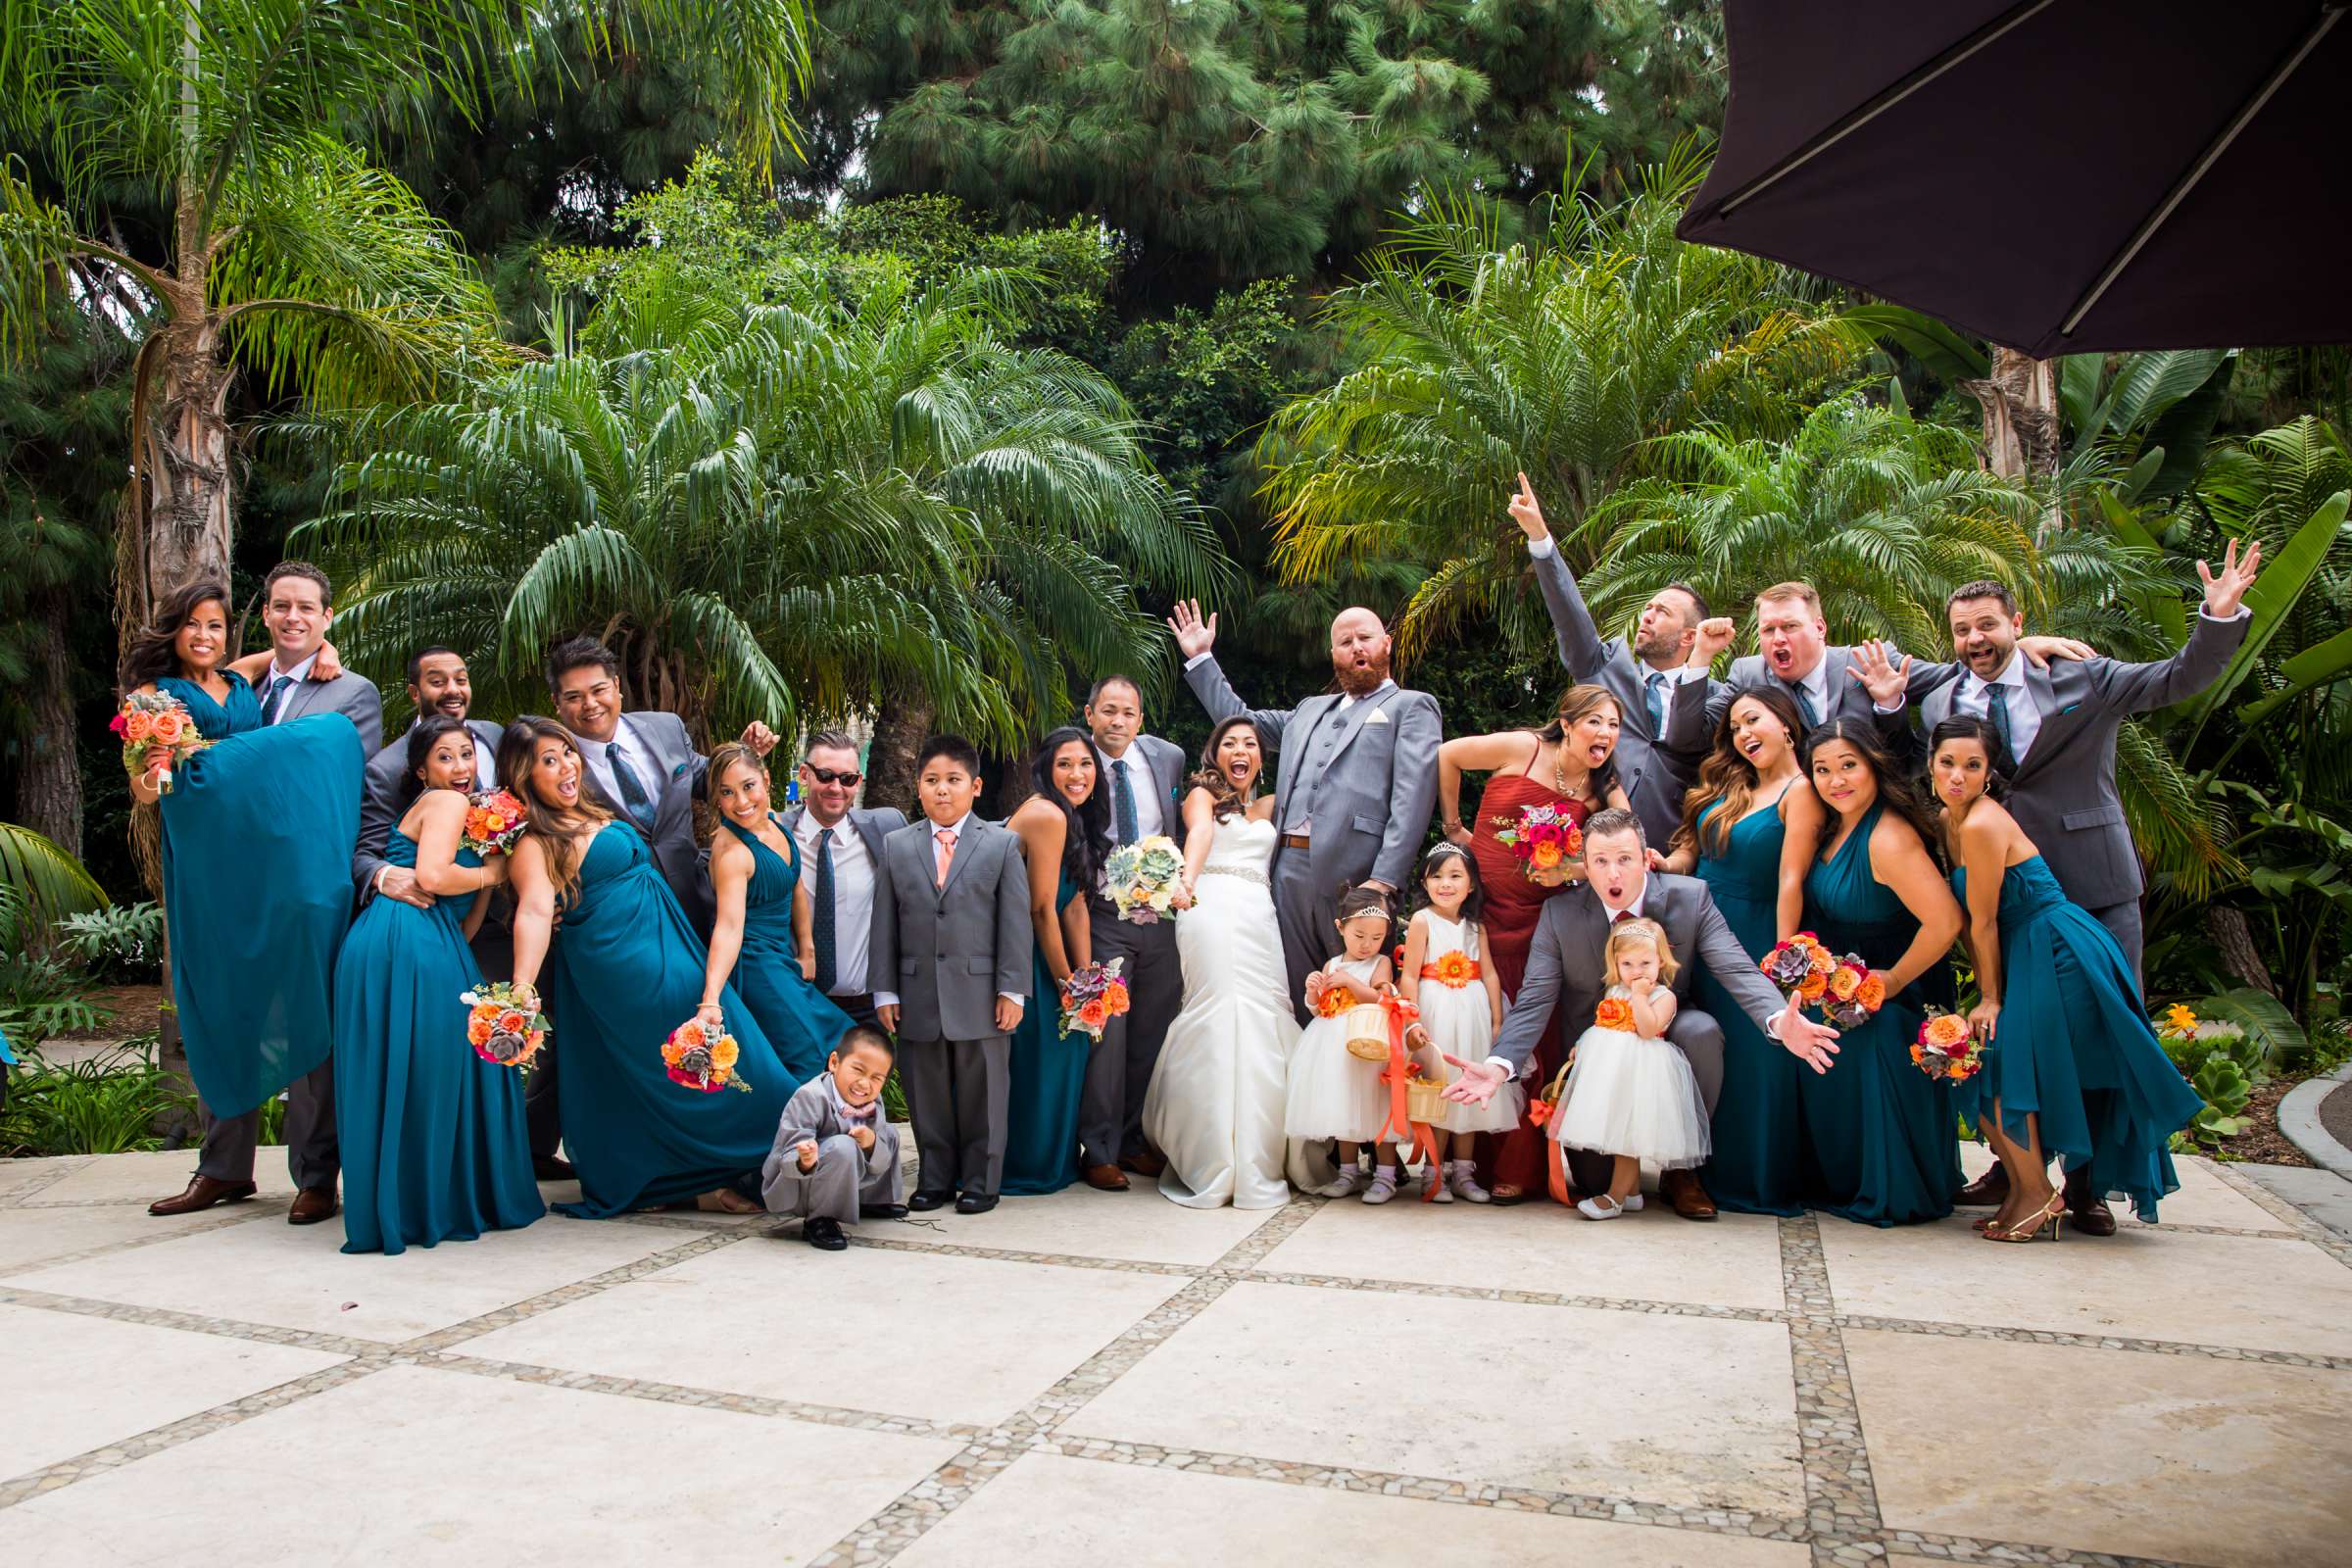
155, 718
1846, 990
1091, 997
1948, 1048
504, 1025
1545, 838
494, 820
703, 1057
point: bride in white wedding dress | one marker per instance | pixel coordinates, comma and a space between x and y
1214, 1108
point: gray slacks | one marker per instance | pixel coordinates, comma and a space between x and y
1120, 1065
955, 1094
1699, 1038
835, 1189
311, 1155
2121, 921
1307, 916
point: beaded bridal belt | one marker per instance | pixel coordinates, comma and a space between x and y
1244, 872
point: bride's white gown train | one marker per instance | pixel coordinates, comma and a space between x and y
1214, 1108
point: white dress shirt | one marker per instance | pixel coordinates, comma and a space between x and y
296, 676
596, 757
1150, 810
852, 897
890, 999
2025, 719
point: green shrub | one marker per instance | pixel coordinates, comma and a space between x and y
2224, 1064
123, 940
108, 1104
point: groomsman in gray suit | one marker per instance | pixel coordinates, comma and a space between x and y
1357, 779
1141, 776
438, 683
1641, 671
841, 852
1820, 676
297, 603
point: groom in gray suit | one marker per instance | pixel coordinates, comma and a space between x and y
1357, 779
841, 852
1564, 972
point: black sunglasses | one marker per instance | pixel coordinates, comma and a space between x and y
825, 776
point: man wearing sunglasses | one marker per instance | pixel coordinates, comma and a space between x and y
839, 846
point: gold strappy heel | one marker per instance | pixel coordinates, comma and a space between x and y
2052, 1215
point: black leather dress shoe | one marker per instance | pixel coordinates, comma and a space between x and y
881, 1210
925, 1202
550, 1168
975, 1203
824, 1235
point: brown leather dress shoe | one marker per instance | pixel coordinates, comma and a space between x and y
313, 1205
2088, 1209
1144, 1162
1681, 1188
1988, 1190
202, 1193
1106, 1178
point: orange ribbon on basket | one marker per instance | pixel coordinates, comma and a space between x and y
1400, 1125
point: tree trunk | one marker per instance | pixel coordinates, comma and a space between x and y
185, 460
2019, 400
899, 730
49, 782
2234, 939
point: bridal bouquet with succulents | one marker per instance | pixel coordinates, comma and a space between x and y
1142, 879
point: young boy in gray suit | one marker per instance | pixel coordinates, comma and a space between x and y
836, 1159
951, 967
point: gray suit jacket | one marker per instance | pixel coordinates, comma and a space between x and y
1168, 764
1699, 706
872, 827
1654, 778
2064, 795
810, 1115
950, 952
353, 696
1564, 966
685, 864
379, 804
1372, 804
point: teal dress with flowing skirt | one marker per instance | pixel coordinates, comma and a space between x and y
800, 1022
1880, 1143
2073, 1046
433, 1141
1753, 1169
631, 972
257, 840
1047, 1077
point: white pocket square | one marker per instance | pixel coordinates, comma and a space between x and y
1376, 717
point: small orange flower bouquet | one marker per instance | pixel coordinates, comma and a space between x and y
1614, 1012
494, 820
155, 718
1334, 1000
1846, 990
1947, 1049
703, 1057
1091, 997
502, 1025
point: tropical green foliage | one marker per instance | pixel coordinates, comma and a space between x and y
105, 1105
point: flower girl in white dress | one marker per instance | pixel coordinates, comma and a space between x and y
1445, 974
1333, 1094
1631, 1094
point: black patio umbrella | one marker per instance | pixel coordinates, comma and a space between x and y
2056, 176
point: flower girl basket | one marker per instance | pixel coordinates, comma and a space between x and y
1367, 1026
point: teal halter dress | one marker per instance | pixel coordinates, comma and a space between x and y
800, 1022
1047, 1079
1753, 1169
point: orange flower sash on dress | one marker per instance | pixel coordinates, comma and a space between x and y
1455, 970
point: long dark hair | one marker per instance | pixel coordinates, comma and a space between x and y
1895, 789
1728, 777
514, 753
1223, 799
152, 655
1474, 905
1086, 826
1575, 702
421, 738
1968, 727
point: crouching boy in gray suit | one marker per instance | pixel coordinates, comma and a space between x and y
836, 1157
952, 966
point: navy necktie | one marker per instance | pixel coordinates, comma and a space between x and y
1655, 695
827, 958
1804, 706
1122, 801
633, 798
278, 690
1997, 714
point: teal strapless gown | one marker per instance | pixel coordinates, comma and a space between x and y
1047, 1077
801, 1022
631, 972
1879, 1140
434, 1146
1753, 1169
2073, 1046
257, 840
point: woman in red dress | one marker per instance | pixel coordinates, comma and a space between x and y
1567, 764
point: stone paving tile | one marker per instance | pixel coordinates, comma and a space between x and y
142, 1178
299, 1278
1678, 1410
426, 1467
20, 1177
1135, 1226
2175, 1457
38, 1238
77, 1382
1046, 1509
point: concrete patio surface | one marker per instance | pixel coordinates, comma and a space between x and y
1111, 1380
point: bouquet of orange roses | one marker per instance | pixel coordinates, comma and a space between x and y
703, 1056
1948, 1048
494, 820
155, 718
502, 1025
1091, 997
1542, 836
1846, 990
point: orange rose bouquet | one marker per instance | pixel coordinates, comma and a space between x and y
703, 1056
1846, 990
155, 718
1947, 1049
1091, 997
504, 1025
1545, 838
494, 820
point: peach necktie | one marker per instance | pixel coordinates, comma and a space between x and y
947, 851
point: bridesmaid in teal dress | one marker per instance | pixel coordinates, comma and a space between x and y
1064, 828
2071, 1068
763, 937
1879, 1141
1732, 831
257, 838
631, 972
434, 1146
